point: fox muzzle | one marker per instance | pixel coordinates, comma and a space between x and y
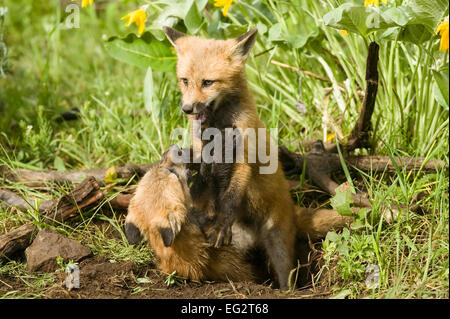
193, 108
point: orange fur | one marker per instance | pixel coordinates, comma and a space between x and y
267, 196
161, 196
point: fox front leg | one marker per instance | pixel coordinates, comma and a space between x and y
228, 203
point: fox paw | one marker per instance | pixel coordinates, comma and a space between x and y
169, 234
219, 235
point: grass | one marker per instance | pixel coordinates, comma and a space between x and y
53, 70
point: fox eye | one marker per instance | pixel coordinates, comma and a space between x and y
185, 81
207, 83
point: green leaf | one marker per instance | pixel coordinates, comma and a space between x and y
148, 94
342, 295
193, 20
275, 33
414, 22
233, 30
333, 237
343, 200
397, 15
441, 88
357, 224
359, 19
291, 34
262, 28
143, 52
428, 12
58, 164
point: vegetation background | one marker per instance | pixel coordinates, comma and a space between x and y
307, 74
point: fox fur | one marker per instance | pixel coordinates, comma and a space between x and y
212, 80
162, 212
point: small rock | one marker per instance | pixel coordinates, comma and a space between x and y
49, 244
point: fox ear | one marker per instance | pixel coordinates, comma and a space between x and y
173, 35
244, 44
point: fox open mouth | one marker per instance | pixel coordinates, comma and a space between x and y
203, 115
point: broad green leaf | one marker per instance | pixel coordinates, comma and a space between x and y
357, 224
193, 20
298, 36
143, 52
342, 200
428, 12
414, 22
174, 11
233, 30
333, 237
201, 4
441, 89
58, 164
397, 15
293, 35
359, 19
262, 28
275, 33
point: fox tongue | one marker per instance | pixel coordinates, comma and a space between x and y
202, 116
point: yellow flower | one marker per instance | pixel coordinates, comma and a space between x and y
139, 17
442, 29
343, 32
330, 136
225, 4
84, 3
373, 2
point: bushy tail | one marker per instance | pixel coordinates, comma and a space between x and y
316, 223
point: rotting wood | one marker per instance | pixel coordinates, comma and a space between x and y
38, 178
16, 240
83, 195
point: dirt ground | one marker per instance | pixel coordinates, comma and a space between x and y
100, 279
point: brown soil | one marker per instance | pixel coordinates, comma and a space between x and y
101, 279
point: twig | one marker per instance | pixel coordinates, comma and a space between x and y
317, 76
360, 133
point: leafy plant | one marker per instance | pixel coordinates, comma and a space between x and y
173, 280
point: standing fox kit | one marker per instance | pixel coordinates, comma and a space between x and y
215, 92
161, 211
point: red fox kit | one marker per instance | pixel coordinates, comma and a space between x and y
213, 84
161, 211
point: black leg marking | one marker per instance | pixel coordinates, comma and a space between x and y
167, 236
279, 255
132, 233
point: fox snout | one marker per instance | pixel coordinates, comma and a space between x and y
192, 108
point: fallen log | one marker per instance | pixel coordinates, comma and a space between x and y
11, 199
16, 240
292, 164
38, 178
83, 195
